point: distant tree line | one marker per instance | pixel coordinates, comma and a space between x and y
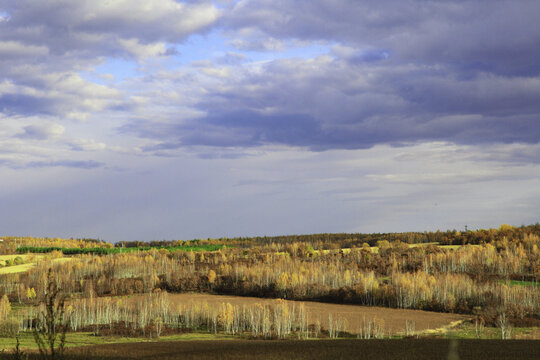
325, 241
350, 240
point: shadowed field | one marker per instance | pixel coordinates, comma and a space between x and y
319, 349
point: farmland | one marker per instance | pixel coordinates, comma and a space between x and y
425, 349
12, 264
394, 320
117, 250
476, 285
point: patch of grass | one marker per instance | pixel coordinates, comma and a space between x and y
25, 267
455, 247
423, 244
521, 283
196, 336
450, 247
16, 268
466, 330
333, 251
88, 338
442, 331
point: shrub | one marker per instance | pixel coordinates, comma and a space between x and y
9, 328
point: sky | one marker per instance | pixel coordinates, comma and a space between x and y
161, 120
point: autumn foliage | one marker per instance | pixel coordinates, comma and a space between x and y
471, 279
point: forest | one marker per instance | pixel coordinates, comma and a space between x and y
486, 280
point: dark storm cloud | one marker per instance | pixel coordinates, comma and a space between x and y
395, 72
252, 129
499, 36
240, 128
401, 72
338, 104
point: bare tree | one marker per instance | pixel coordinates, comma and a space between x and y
504, 325
17, 353
50, 330
479, 325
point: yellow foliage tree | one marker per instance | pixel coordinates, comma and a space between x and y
31, 293
282, 281
5, 308
211, 276
226, 316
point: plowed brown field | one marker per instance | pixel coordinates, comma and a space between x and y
394, 319
423, 349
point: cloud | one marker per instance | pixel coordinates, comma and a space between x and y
68, 95
135, 48
500, 38
76, 164
321, 192
339, 102
514, 153
19, 50
341, 115
231, 58
258, 44
46, 45
355, 55
79, 164
81, 27
42, 131
87, 145
243, 129
393, 75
